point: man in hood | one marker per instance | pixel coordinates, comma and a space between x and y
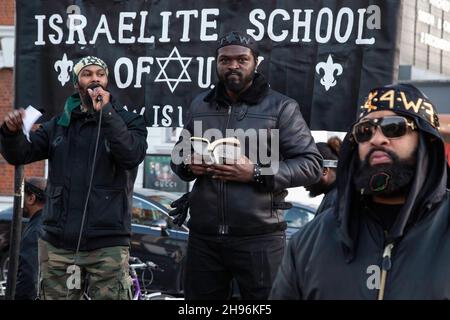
93, 149
388, 237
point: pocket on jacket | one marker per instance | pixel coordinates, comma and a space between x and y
106, 208
53, 205
246, 205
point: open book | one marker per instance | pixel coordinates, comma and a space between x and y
226, 150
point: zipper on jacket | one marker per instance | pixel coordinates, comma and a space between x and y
386, 265
223, 228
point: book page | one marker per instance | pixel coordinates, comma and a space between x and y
226, 151
200, 145
231, 141
31, 116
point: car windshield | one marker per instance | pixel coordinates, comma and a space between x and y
156, 196
151, 206
163, 200
298, 216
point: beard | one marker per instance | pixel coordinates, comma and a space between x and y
85, 97
317, 189
235, 85
390, 179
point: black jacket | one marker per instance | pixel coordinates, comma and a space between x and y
328, 201
28, 272
70, 152
235, 208
339, 255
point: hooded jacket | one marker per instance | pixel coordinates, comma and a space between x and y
236, 208
344, 254
70, 153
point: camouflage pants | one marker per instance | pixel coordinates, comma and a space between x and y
102, 273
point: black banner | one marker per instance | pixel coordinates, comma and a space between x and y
160, 53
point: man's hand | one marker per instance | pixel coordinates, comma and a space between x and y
198, 170
241, 171
14, 120
197, 165
97, 92
180, 212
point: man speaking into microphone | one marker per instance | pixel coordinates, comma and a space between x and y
93, 150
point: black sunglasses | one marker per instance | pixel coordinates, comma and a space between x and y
391, 126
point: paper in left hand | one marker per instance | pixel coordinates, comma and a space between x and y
31, 116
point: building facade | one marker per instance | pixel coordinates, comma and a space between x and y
425, 54
7, 13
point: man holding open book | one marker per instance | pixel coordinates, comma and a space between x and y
244, 143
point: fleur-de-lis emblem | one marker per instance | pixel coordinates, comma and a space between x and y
64, 66
329, 69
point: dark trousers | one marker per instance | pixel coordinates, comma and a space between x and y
213, 262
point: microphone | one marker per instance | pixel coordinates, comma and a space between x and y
92, 87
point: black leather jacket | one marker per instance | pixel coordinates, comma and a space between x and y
235, 208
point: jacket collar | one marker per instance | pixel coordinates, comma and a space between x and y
252, 96
71, 103
72, 107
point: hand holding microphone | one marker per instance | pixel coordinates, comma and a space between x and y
99, 96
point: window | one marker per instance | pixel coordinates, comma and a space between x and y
159, 176
297, 217
172, 134
144, 213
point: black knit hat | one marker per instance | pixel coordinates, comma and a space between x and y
235, 38
32, 189
404, 99
83, 62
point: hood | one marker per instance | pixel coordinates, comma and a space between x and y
427, 189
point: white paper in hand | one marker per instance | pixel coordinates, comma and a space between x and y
31, 116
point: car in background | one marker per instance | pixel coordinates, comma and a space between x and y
156, 238
296, 217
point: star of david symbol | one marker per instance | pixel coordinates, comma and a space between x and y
184, 75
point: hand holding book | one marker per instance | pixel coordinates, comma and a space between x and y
221, 151
240, 171
222, 159
196, 165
